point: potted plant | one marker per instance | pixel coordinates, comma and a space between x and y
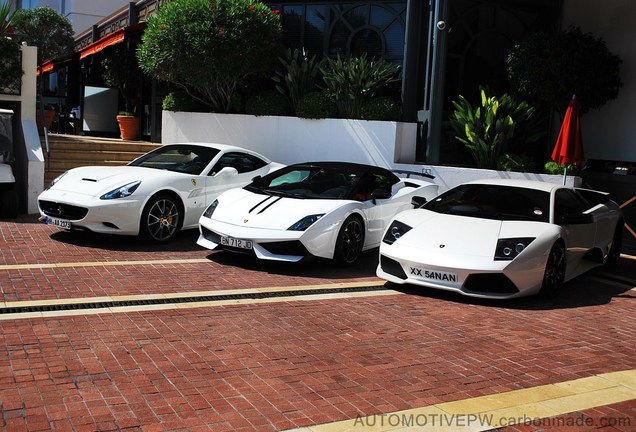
128, 125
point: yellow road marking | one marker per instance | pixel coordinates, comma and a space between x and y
193, 304
101, 263
534, 406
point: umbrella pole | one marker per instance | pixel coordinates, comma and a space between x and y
565, 174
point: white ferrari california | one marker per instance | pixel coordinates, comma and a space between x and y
502, 239
333, 210
155, 195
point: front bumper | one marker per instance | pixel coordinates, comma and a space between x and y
474, 277
270, 244
118, 216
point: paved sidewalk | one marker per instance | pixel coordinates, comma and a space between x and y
258, 346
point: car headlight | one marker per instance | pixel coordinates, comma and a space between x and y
509, 248
121, 192
305, 222
55, 180
395, 231
208, 211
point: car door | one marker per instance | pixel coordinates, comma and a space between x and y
379, 210
579, 227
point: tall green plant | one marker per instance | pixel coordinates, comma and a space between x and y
488, 128
300, 75
354, 81
210, 47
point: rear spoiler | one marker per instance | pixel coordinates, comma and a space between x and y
410, 173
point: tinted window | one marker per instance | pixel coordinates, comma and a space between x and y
307, 181
243, 162
567, 202
493, 202
185, 158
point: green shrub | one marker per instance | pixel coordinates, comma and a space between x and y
551, 167
267, 102
516, 163
182, 101
10, 66
211, 46
299, 75
316, 105
550, 68
380, 108
352, 82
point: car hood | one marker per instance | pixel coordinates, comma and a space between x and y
97, 180
435, 233
248, 209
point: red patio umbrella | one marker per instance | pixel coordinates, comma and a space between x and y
569, 145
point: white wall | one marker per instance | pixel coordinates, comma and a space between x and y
33, 148
291, 140
609, 132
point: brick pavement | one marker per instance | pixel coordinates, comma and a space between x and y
284, 364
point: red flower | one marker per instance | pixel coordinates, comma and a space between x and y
251, 8
275, 11
221, 31
163, 27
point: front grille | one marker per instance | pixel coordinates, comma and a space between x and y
392, 267
62, 211
293, 247
490, 283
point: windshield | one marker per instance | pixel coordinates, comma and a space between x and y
183, 158
307, 181
493, 202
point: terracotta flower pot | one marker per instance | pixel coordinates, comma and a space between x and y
128, 127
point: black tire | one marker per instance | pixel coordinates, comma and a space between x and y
554, 274
614, 254
349, 242
161, 219
9, 204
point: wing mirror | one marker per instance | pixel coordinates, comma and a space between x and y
418, 201
226, 171
380, 194
577, 219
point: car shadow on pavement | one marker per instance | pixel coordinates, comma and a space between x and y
308, 267
184, 241
597, 287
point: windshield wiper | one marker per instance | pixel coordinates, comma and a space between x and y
281, 193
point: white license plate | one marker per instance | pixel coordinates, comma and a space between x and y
236, 243
60, 223
433, 275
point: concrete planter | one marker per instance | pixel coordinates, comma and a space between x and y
291, 140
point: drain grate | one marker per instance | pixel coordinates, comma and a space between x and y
193, 299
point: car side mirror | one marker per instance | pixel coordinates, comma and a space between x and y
226, 171
418, 201
576, 219
380, 194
